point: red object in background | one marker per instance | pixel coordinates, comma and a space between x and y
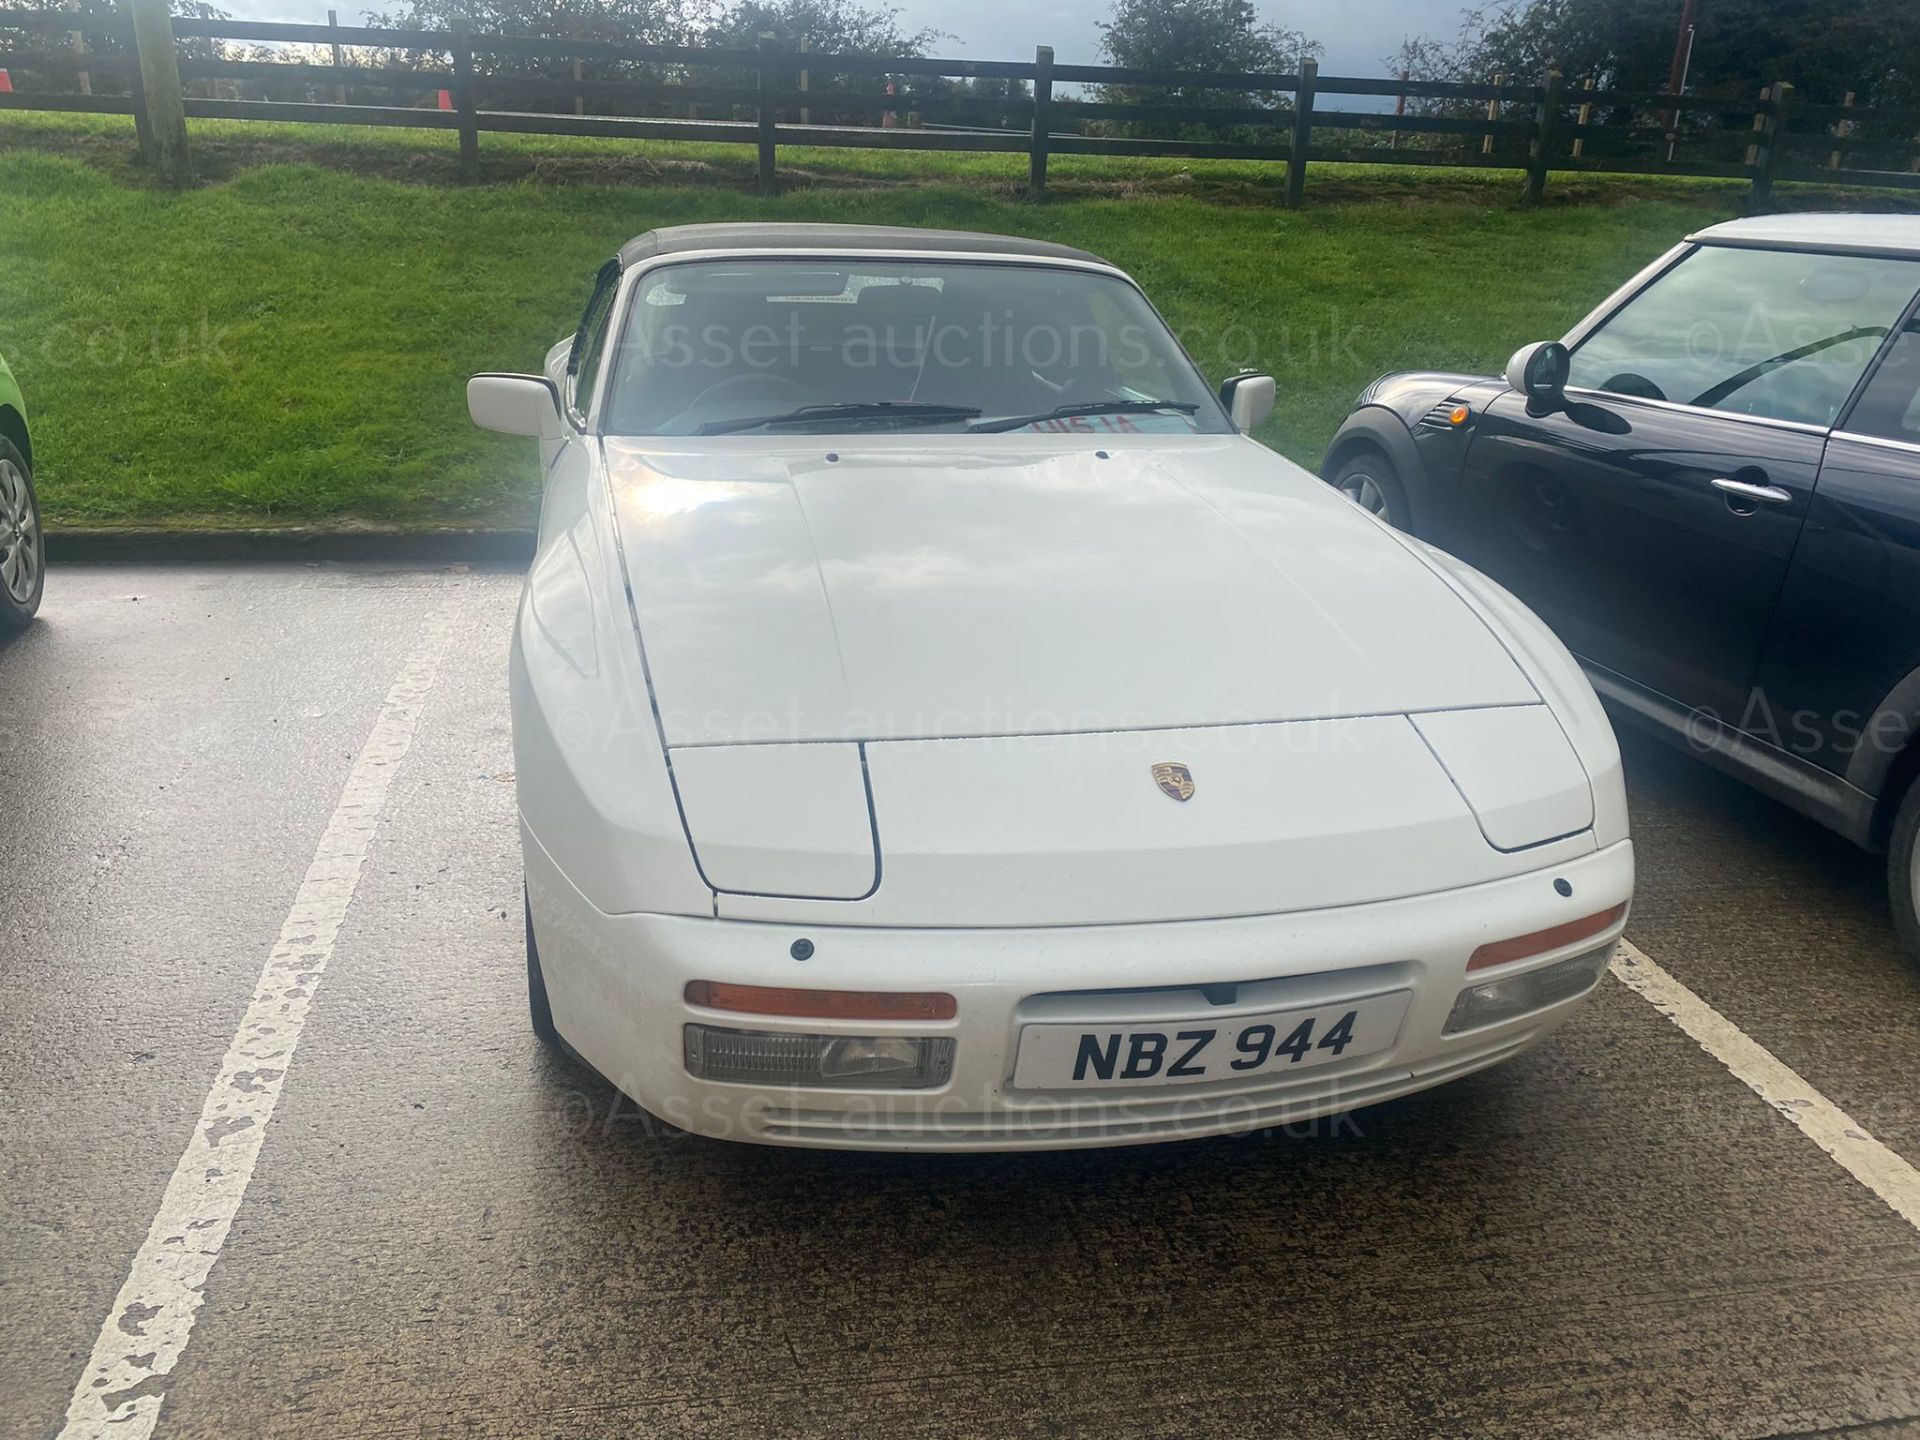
6, 83
446, 100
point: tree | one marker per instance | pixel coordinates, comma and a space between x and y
105, 25
1823, 47
632, 22
1217, 35
834, 27
1619, 44
992, 90
827, 27
620, 22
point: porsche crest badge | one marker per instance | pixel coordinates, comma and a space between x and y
1174, 780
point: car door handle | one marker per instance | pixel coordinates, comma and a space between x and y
1745, 490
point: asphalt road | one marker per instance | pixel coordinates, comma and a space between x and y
450, 1232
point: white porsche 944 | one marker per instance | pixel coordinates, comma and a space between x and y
940, 725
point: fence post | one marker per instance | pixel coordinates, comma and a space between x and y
159, 67
1042, 119
1772, 128
83, 76
1302, 133
1842, 132
1586, 119
136, 91
1540, 151
339, 91
1493, 113
765, 116
806, 114
463, 105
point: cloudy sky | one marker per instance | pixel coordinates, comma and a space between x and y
1358, 34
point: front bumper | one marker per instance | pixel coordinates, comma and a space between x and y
616, 984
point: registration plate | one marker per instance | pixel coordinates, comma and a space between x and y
1187, 1052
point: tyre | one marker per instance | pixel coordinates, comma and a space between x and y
23, 555
537, 1007
1903, 874
1368, 479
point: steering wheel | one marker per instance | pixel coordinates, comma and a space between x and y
752, 387
1638, 386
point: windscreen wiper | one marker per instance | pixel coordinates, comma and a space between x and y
1746, 377
1093, 407
913, 412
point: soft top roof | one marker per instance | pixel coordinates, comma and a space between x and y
756, 236
1893, 235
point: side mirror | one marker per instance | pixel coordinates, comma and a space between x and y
1248, 398
1540, 372
515, 405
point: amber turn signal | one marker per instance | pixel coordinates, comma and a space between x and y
1459, 416
822, 1004
1501, 952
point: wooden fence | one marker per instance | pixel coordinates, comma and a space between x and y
140, 64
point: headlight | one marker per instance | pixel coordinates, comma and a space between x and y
1519, 995
860, 1062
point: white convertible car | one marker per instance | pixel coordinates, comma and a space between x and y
941, 726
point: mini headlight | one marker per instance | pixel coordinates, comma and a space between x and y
1518, 995
861, 1062
889, 1055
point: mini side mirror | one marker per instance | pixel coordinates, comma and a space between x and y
1539, 372
515, 405
1248, 398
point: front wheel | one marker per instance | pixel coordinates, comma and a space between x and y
23, 555
1903, 874
1369, 480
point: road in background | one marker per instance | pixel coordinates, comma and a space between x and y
452, 1232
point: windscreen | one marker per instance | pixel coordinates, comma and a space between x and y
1776, 333
805, 345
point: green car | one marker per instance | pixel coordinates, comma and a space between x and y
23, 555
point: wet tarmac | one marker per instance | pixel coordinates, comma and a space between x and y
452, 1232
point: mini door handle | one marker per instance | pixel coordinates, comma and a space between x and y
1764, 494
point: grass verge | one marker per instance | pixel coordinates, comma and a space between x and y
289, 341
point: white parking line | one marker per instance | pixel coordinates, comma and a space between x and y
120, 1392
1819, 1119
